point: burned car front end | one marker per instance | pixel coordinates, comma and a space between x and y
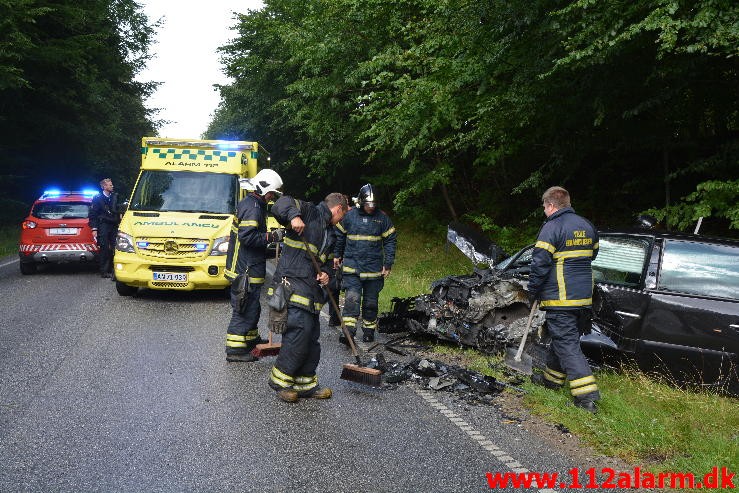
668, 302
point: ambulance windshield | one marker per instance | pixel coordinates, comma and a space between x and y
185, 191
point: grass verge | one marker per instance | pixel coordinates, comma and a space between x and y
641, 420
9, 240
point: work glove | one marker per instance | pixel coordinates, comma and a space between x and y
276, 235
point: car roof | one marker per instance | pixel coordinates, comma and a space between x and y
668, 235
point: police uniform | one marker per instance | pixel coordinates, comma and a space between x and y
562, 279
366, 243
246, 256
104, 217
295, 367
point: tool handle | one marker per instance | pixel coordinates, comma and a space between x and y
335, 305
534, 307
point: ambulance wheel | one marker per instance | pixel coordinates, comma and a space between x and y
28, 268
125, 289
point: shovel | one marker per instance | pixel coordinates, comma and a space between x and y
515, 359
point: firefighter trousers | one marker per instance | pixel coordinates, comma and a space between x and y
297, 361
364, 292
242, 334
565, 359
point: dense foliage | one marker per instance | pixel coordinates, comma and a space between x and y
70, 110
471, 108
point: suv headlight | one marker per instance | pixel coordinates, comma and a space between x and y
124, 243
220, 246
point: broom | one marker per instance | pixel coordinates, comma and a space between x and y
351, 372
270, 348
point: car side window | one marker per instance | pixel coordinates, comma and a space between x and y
620, 260
703, 269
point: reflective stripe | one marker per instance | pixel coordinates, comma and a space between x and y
305, 383
561, 279
350, 321
370, 275
301, 300
318, 306
234, 229
256, 280
546, 246
230, 274
248, 222
388, 232
584, 390
282, 379
596, 246
582, 302
370, 325
299, 245
364, 238
582, 381
270, 291
553, 379
573, 254
555, 373
348, 270
234, 340
341, 228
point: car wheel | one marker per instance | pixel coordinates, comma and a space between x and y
125, 289
28, 268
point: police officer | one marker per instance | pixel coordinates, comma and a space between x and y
562, 279
247, 257
294, 372
104, 219
365, 246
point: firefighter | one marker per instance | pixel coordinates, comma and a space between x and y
365, 247
294, 372
246, 261
562, 279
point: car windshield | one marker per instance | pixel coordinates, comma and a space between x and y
60, 210
523, 257
620, 260
185, 191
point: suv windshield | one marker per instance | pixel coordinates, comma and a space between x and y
60, 210
185, 191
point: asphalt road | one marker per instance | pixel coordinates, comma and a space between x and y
100, 392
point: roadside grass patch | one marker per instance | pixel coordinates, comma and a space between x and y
641, 419
9, 236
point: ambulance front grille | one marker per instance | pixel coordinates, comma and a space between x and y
173, 248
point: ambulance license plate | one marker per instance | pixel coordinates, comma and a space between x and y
170, 276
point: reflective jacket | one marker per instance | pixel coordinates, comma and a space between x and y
366, 242
295, 264
247, 244
561, 276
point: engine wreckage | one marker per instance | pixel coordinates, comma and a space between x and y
487, 309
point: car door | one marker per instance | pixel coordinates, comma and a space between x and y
692, 324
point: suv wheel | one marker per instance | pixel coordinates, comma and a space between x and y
125, 289
28, 268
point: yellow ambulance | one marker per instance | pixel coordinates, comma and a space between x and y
174, 233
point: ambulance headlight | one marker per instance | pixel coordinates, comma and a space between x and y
124, 243
220, 246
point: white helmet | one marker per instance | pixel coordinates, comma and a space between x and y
265, 181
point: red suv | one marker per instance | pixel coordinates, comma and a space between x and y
56, 230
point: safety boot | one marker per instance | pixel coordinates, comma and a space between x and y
344, 340
287, 395
318, 393
368, 337
242, 358
587, 404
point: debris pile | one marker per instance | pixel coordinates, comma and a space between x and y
471, 386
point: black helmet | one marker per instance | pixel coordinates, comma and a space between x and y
366, 194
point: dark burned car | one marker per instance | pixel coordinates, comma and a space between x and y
668, 301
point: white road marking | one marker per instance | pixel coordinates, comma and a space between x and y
9, 263
504, 457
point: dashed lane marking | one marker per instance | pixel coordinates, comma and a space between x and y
9, 263
501, 455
